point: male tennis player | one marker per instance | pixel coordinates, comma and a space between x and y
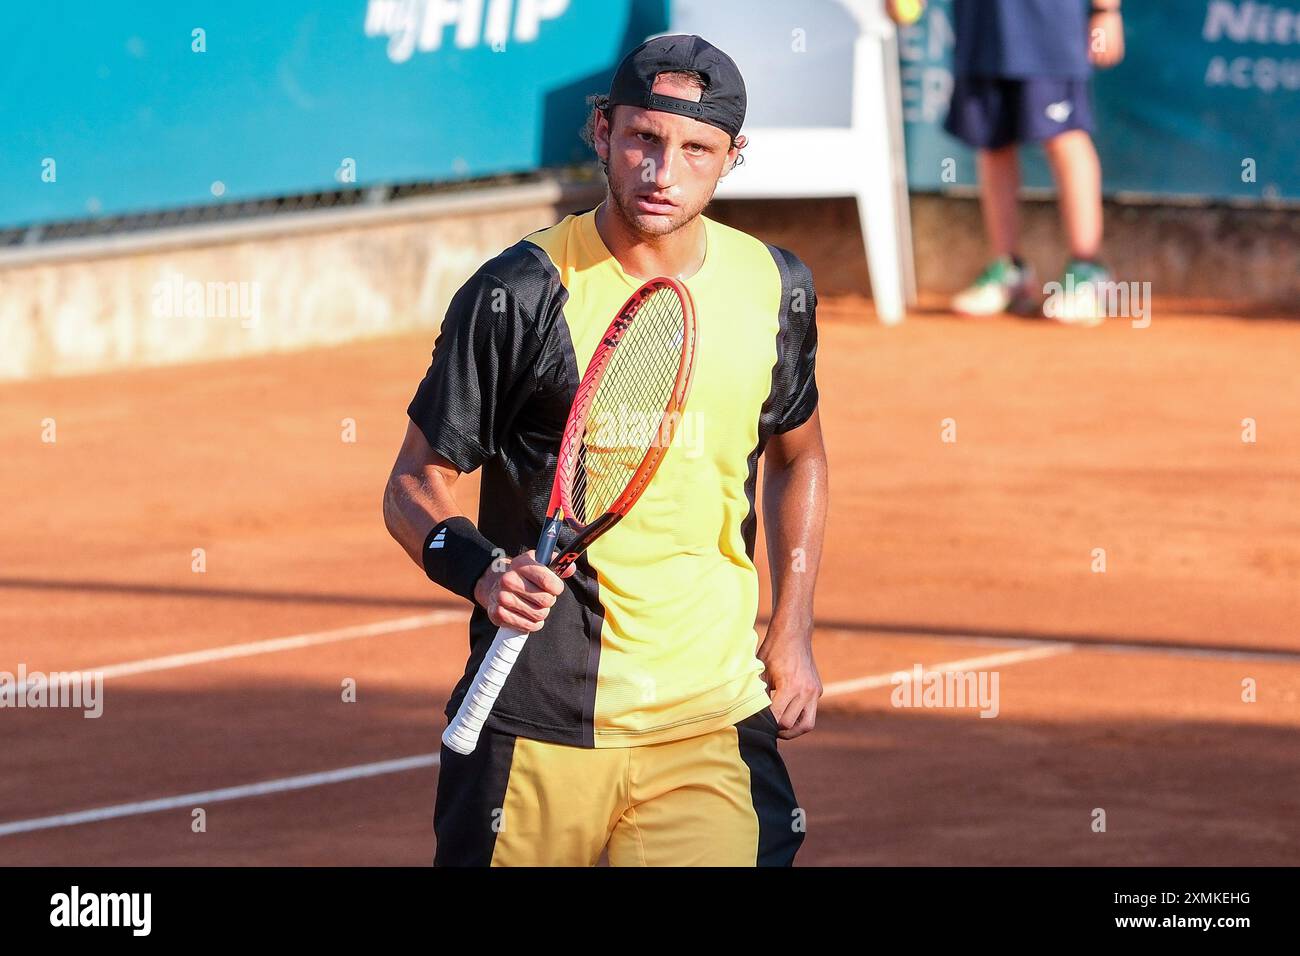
643, 720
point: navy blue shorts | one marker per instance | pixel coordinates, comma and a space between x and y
992, 112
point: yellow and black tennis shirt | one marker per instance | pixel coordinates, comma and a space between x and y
653, 639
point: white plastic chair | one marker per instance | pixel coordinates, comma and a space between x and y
824, 117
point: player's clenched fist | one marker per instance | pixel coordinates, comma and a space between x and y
521, 595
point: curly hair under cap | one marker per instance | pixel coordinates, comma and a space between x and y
599, 103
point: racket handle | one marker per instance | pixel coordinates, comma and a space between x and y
462, 733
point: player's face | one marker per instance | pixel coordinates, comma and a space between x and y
663, 167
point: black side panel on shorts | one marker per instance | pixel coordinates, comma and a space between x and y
471, 796
780, 826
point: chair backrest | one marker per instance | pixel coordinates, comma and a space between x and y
801, 71
824, 116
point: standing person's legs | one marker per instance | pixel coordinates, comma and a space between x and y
721, 799
984, 113
1057, 112
999, 173
1061, 112
1077, 171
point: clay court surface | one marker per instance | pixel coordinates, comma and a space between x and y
1119, 690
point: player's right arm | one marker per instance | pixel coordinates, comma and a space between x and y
478, 379
516, 593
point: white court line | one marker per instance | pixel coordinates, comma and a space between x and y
969, 663
432, 760
1156, 648
192, 800
395, 625
1027, 653
228, 652
269, 646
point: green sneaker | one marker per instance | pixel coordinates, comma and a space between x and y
1080, 297
1001, 287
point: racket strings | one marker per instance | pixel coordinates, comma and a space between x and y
626, 416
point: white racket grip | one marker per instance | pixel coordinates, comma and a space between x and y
462, 733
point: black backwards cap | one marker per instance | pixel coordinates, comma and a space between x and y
722, 104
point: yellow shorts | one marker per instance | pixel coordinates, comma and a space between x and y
720, 799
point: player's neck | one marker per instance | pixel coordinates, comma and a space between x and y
679, 254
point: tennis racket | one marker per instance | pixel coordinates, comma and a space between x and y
626, 410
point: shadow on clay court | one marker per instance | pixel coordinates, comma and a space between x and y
879, 785
352, 599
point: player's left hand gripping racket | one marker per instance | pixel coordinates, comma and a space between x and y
626, 410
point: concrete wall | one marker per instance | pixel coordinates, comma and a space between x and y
287, 282
298, 280
1246, 257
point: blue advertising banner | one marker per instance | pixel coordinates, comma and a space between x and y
1206, 102
122, 108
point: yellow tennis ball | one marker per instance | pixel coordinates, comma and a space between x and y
909, 11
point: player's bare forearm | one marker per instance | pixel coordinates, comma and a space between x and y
795, 496
516, 593
418, 494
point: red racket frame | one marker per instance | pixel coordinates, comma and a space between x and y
570, 445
